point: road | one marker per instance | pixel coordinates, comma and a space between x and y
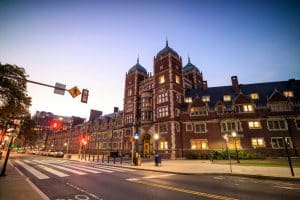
72, 180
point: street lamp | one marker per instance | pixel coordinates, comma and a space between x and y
234, 135
135, 137
226, 141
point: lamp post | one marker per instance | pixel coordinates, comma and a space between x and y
226, 141
234, 135
156, 137
135, 137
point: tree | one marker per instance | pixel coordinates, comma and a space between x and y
27, 131
14, 101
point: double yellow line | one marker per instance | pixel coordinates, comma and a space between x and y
202, 194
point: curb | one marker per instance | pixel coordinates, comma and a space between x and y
257, 176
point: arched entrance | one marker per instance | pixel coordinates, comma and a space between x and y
147, 146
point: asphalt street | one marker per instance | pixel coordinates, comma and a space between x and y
61, 179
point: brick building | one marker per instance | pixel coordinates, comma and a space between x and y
176, 104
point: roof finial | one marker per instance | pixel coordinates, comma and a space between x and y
138, 59
189, 60
167, 45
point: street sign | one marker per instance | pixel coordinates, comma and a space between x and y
84, 96
74, 91
136, 135
59, 88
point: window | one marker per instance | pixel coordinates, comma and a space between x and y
275, 125
146, 102
146, 115
278, 143
188, 126
227, 98
248, 108
178, 98
162, 112
220, 109
163, 97
288, 93
161, 79
161, 67
177, 78
254, 96
200, 128
163, 145
188, 100
254, 124
128, 119
163, 128
127, 133
197, 144
234, 143
280, 106
231, 126
198, 111
258, 142
205, 98
129, 107
129, 93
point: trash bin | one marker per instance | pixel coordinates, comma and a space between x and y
138, 161
157, 160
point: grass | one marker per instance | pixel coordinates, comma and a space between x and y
262, 163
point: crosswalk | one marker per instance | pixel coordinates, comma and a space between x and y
42, 168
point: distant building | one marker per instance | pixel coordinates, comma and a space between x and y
176, 104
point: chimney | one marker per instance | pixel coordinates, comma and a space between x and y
116, 109
204, 85
235, 84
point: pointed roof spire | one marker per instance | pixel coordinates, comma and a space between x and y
138, 59
189, 60
167, 44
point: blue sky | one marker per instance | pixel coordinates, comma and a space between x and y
92, 44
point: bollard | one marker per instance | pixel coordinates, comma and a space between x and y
114, 159
89, 156
98, 158
121, 160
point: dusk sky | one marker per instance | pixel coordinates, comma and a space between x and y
92, 44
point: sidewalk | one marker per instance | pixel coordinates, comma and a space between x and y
206, 167
15, 186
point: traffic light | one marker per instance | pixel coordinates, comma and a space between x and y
84, 96
55, 125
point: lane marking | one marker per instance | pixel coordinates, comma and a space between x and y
149, 177
62, 168
93, 168
53, 171
33, 171
202, 194
113, 168
84, 191
286, 187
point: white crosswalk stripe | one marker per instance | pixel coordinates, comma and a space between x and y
53, 171
83, 166
84, 169
62, 168
33, 171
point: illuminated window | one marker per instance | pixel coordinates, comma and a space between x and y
198, 111
206, 98
163, 97
177, 79
254, 124
288, 93
254, 96
234, 142
248, 108
197, 144
188, 126
276, 125
188, 100
162, 79
200, 128
163, 145
258, 142
162, 112
227, 98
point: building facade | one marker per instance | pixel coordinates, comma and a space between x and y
175, 104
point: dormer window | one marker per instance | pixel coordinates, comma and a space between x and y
288, 93
254, 96
248, 108
227, 98
205, 98
188, 100
162, 79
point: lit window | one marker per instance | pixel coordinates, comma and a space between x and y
227, 98
163, 145
161, 79
288, 93
162, 112
254, 96
276, 125
198, 111
188, 100
248, 108
197, 144
177, 79
234, 143
200, 128
163, 97
206, 98
254, 124
258, 142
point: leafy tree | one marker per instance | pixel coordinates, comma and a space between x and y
14, 101
27, 131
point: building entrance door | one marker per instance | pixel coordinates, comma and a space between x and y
146, 149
